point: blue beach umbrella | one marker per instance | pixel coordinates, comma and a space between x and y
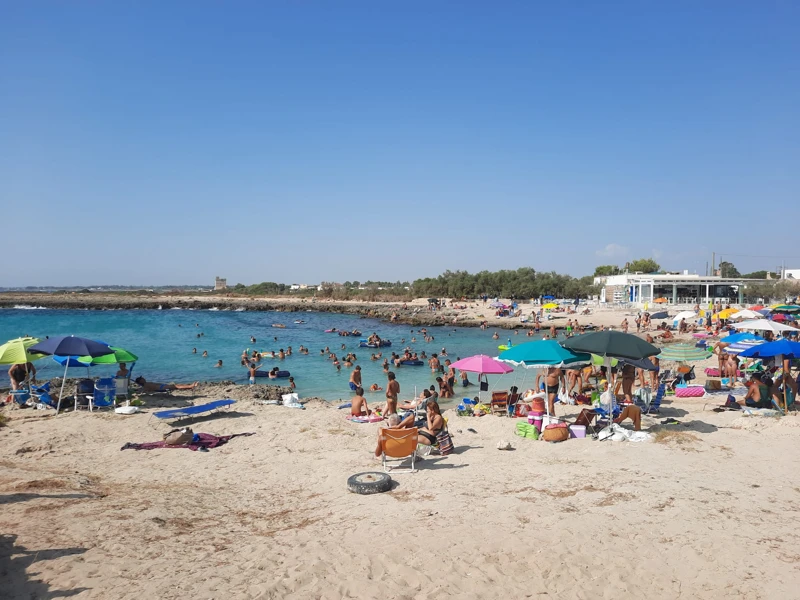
744, 336
69, 347
780, 350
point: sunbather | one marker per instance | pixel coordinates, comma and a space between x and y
358, 406
634, 413
150, 386
435, 424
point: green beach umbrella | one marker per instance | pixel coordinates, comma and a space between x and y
15, 352
683, 353
120, 355
788, 309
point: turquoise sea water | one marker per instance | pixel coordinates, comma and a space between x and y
163, 340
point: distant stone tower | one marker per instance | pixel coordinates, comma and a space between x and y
220, 284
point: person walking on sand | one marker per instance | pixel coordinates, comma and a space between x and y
392, 392
624, 325
355, 378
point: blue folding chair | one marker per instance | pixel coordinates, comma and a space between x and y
41, 393
105, 394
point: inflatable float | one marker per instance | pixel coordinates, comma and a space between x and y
279, 325
349, 333
334, 330
504, 347
412, 363
299, 322
280, 374
382, 344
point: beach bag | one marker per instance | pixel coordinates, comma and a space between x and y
557, 432
445, 442
484, 386
178, 437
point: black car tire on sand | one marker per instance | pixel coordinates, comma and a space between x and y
371, 482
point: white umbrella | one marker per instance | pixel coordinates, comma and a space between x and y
745, 314
763, 325
687, 314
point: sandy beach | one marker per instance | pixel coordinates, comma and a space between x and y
703, 511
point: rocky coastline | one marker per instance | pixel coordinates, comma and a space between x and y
387, 311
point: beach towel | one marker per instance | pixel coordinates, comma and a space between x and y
373, 418
201, 440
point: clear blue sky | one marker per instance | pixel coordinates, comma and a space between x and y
169, 142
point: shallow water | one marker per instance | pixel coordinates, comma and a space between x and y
164, 339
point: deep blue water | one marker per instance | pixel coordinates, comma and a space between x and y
164, 339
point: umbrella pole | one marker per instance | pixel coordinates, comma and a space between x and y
63, 383
785, 374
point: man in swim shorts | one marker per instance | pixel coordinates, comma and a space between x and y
358, 405
355, 378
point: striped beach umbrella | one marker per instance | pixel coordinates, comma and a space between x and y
743, 345
683, 353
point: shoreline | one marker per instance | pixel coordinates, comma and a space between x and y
415, 313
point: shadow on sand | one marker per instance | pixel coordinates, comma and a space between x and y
14, 563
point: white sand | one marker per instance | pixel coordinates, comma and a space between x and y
708, 515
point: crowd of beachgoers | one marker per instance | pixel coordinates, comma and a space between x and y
129, 521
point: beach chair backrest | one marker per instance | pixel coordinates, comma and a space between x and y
399, 443
121, 384
499, 396
104, 395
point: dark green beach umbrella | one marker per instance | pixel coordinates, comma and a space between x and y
612, 344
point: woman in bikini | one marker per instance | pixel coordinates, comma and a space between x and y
435, 424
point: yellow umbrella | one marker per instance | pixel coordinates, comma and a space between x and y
550, 305
725, 314
15, 352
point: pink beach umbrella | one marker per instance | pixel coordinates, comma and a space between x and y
482, 365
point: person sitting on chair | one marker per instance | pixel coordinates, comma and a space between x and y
150, 386
394, 423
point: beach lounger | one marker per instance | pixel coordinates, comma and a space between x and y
191, 411
398, 445
499, 403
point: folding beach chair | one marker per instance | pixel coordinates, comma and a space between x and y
105, 394
499, 403
41, 393
398, 445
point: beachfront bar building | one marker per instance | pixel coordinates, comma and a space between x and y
644, 288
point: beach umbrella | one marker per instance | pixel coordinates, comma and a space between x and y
686, 314
497, 305
70, 346
741, 346
763, 325
683, 353
548, 297
482, 365
758, 307
550, 305
788, 309
780, 350
118, 355
17, 351
660, 300
543, 354
781, 317
746, 314
642, 363
611, 344
659, 315
741, 337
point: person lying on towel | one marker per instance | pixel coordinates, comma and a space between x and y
151, 386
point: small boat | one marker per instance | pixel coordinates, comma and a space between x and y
299, 322
279, 325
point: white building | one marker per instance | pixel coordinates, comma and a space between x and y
640, 288
791, 274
